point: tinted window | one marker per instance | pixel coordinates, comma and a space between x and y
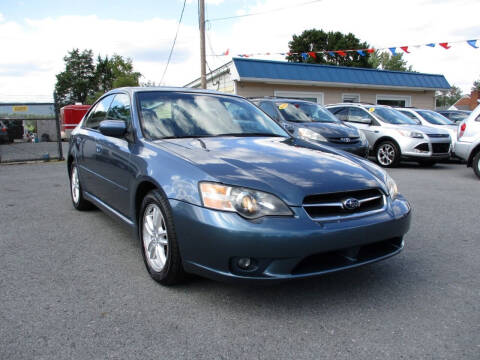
303, 112
409, 114
177, 115
341, 113
120, 108
99, 113
268, 108
359, 116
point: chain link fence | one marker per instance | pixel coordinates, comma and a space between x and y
28, 132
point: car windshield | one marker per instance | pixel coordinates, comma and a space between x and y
392, 116
302, 112
435, 118
182, 115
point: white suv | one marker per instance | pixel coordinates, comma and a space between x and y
467, 146
393, 136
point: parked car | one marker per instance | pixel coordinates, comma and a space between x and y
313, 122
4, 138
467, 146
456, 116
214, 186
392, 136
433, 119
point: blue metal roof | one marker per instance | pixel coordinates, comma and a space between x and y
282, 70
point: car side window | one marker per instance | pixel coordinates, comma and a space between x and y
99, 113
120, 109
409, 114
341, 113
269, 109
357, 115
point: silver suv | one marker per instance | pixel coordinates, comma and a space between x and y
467, 146
393, 136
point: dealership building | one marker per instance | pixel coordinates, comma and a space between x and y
325, 84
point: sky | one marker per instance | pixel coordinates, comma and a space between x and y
36, 35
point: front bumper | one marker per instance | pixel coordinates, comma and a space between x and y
360, 149
424, 148
284, 247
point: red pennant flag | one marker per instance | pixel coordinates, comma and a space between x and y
312, 54
341, 53
226, 52
405, 48
370, 51
445, 45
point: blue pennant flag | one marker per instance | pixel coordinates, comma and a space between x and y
431, 45
361, 52
331, 53
472, 43
392, 50
304, 56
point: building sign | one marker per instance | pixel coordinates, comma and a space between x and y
39, 111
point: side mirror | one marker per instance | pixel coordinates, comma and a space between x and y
114, 128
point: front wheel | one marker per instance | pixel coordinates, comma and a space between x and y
476, 164
159, 242
387, 154
78, 200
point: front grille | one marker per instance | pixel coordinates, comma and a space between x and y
440, 148
438, 135
332, 206
344, 140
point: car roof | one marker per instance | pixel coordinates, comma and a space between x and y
280, 99
361, 105
138, 89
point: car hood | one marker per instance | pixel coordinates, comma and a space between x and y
330, 130
425, 129
275, 165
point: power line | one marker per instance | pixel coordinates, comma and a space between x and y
174, 41
262, 12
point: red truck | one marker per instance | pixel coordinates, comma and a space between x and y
70, 117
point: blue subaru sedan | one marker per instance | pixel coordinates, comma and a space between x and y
213, 186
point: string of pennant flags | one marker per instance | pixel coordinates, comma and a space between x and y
474, 43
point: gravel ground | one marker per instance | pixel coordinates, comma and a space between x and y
73, 286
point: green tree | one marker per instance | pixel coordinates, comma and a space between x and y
476, 85
77, 82
84, 81
446, 99
319, 40
385, 61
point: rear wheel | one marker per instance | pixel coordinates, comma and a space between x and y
476, 164
78, 201
387, 154
159, 241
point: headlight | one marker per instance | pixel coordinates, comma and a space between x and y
391, 186
412, 134
310, 135
248, 203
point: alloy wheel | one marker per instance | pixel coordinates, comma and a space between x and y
75, 185
386, 154
155, 237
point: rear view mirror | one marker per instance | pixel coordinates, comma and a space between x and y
114, 128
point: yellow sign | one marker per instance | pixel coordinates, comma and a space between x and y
283, 106
22, 108
371, 109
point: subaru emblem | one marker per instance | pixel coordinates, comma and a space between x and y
347, 140
351, 204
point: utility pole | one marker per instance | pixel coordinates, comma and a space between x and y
203, 68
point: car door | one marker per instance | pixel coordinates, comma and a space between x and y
113, 158
363, 121
89, 170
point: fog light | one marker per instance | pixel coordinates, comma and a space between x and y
244, 263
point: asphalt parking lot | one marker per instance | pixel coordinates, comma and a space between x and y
73, 286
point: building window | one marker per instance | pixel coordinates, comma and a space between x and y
316, 97
394, 100
351, 98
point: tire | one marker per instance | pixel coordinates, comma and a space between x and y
476, 164
427, 163
158, 240
387, 154
76, 194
